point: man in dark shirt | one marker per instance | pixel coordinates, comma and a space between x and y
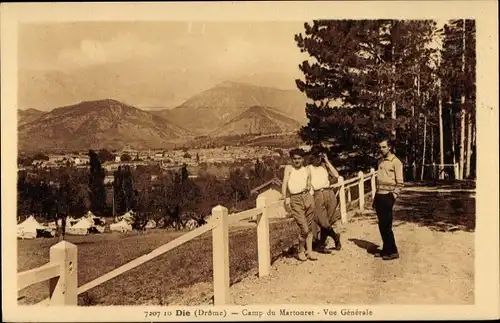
389, 183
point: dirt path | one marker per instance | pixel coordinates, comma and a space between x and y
434, 268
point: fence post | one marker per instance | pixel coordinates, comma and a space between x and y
343, 209
263, 245
373, 182
434, 170
63, 290
220, 253
455, 168
361, 191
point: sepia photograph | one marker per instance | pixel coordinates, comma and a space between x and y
305, 167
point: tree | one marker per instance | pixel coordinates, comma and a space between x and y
459, 87
105, 155
125, 158
367, 80
239, 186
97, 191
40, 156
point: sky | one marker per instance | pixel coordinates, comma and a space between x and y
150, 64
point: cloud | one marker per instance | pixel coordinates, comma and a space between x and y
94, 52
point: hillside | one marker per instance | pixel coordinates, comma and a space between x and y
94, 124
27, 116
211, 109
257, 120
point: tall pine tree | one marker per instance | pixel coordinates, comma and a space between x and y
365, 79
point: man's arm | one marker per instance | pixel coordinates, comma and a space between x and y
308, 185
398, 169
284, 186
329, 167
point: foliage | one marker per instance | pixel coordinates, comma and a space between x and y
97, 192
105, 155
370, 79
125, 158
123, 189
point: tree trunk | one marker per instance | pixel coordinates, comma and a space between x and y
452, 129
462, 111
432, 159
469, 145
393, 103
423, 153
441, 145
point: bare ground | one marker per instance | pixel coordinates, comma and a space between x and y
433, 268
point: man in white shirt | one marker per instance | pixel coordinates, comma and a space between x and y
325, 200
297, 184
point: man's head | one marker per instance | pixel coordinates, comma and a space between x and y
385, 145
316, 155
297, 157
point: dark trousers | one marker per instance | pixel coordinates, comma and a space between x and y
325, 203
383, 204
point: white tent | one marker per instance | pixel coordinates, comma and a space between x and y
191, 224
70, 221
80, 228
276, 210
151, 224
27, 229
121, 226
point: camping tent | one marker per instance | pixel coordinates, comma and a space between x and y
70, 221
128, 217
151, 224
121, 226
191, 224
27, 229
276, 210
80, 228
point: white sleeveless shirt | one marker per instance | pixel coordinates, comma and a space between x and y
319, 177
297, 181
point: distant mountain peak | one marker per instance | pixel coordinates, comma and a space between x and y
258, 119
104, 102
105, 123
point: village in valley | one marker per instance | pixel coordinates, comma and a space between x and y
219, 162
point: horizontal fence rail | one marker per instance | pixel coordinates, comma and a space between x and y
147, 257
61, 271
37, 275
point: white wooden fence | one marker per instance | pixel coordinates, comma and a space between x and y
62, 268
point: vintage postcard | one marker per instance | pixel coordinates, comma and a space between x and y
249, 161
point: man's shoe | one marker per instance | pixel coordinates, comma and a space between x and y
391, 256
338, 244
324, 250
377, 252
301, 256
312, 255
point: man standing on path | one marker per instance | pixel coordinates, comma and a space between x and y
325, 201
297, 182
389, 183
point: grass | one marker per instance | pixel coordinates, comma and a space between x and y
159, 281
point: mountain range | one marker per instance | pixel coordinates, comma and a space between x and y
227, 109
205, 112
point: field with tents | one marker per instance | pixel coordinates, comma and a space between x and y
31, 228
181, 276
